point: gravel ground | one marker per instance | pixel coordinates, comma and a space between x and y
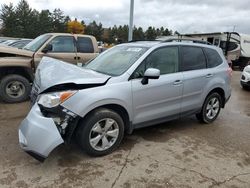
181, 153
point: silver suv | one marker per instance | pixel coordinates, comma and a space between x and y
129, 86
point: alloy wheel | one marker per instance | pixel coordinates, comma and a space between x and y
104, 134
212, 108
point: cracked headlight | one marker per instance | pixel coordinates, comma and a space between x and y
50, 100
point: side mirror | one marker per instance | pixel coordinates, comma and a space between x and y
47, 48
150, 73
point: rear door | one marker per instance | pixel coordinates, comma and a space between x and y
85, 49
63, 48
195, 75
160, 98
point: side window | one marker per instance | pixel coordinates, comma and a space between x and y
231, 46
84, 45
63, 44
139, 72
192, 58
213, 58
165, 59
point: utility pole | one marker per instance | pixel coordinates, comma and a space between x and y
131, 18
234, 28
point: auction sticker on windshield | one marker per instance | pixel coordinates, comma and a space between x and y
134, 49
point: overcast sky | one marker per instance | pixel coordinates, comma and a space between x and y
185, 16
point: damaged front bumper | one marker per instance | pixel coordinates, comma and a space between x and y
39, 135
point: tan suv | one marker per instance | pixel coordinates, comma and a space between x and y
17, 66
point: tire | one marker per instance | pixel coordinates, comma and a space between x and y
209, 115
14, 88
90, 130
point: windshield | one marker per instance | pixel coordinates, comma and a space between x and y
116, 61
35, 44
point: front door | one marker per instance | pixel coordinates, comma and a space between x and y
63, 48
160, 98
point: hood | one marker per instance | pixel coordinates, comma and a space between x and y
14, 51
55, 73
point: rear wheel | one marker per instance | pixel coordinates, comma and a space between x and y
101, 132
210, 109
14, 88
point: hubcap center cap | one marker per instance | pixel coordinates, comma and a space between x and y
15, 88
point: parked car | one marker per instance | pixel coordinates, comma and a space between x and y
245, 78
20, 43
129, 86
8, 42
18, 65
2, 40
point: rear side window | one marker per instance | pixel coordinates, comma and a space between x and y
192, 58
213, 58
84, 45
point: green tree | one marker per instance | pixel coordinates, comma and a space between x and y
113, 36
94, 29
45, 22
167, 32
138, 34
26, 18
8, 19
150, 34
122, 33
59, 21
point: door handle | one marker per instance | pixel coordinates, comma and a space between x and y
77, 57
209, 75
177, 82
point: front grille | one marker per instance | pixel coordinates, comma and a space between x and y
34, 93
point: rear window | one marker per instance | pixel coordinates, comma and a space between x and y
213, 58
192, 58
84, 45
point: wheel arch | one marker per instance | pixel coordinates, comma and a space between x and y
19, 70
221, 92
116, 108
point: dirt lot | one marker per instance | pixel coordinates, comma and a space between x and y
181, 153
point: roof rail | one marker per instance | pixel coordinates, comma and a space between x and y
143, 41
185, 39
172, 40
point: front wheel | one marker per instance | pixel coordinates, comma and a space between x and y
14, 88
210, 109
101, 132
